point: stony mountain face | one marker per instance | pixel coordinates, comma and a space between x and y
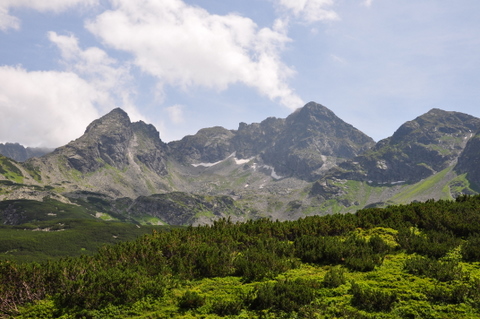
114, 155
303, 145
418, 149
178, 208
313, 136
311, 162
21, 153
469, 161
209, 145
113, 140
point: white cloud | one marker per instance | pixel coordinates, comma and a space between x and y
310, 10
56, 107
175, 113
53, 107
186, 46
104, 73
8, 21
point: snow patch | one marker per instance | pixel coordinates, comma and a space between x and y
242, 161
207, 164
237, 161
273, 174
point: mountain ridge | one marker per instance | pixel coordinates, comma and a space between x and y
311, 162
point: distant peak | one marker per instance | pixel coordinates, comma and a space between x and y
116, 117
312, 110
117, 112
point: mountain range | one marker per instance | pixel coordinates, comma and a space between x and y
311, 162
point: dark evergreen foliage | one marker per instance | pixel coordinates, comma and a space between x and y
440, 270
372, 299
283, 295
256, 250
334, 277
191, 300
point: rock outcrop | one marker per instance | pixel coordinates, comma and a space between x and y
469, 161
418, 149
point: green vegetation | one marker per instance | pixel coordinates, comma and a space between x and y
39, 231
423, 187
419, 260
10, 171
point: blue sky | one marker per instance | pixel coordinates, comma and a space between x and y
186, 65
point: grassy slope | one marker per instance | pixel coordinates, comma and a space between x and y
52, 229
83, 237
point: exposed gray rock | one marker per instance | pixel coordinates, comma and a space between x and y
418, 149
295, 146
469, 161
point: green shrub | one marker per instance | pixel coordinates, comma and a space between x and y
191, 300
432, 243
227, 307
334, 277
429, 267
284, 295
441, 294
471, 249
370, 299
257, 264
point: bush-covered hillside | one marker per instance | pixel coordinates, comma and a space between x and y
412, 261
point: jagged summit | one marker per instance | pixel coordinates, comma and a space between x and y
114, 155
417, 150
115, 119
278, 168
301, 145
433, 124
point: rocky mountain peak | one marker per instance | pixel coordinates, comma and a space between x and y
113, 121
312, 112
208, 145
417, 150
469, 161
435, 123
112, 146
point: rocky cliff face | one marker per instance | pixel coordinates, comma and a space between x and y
469, 161
267, 168
312, 136
114, 141
418, 149
178, 208
209, 145
299, 146
114, 155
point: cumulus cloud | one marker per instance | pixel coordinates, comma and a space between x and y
57, 106
103, 72
186, 46
310, 10
7, 21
